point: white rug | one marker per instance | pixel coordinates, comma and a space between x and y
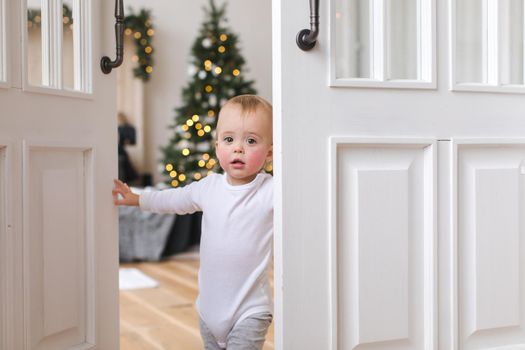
131, 278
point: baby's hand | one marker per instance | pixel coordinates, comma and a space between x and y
128, 197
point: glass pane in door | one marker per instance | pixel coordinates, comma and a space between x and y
512, 37
490, 42
68, 45
2, 42
352, 26
34, 42
402, 29
383, 40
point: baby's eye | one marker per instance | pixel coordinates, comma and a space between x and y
251, 141
228, 139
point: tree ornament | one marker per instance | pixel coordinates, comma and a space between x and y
206, 43
213, 100
192, 70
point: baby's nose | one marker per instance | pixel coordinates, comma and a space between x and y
238, 149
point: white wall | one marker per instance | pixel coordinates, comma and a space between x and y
176, 26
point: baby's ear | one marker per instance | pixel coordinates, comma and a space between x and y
269, 156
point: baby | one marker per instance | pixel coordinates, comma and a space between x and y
234, 303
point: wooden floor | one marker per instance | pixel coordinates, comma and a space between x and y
165, 318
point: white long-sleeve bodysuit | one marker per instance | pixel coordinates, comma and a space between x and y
235, 249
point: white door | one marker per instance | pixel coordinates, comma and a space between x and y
58, 142
400, 176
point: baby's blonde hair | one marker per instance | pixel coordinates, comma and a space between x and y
250, 103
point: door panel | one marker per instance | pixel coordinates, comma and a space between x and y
384, 244
59, 294
60, 225
491, 248
308, 112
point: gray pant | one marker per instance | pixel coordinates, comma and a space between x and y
249, 334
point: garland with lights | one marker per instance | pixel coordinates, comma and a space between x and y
139, 25
217, 75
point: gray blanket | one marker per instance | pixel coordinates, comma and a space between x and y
142, 235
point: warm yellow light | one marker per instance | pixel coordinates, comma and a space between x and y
208, 88
135, 58
150, 32
189, 122
187, 135
173, 173
223, 37
221, 49
202, 163
218, 70
211, 113
169, 167
174, 183
209, 172
207, 63
212, 161
137, 35
198, 126
200, 133
209, 165
128, 31
149, 69
195, 118
185, 152
269, 167
197, 176
207, 128
236, 72
206, 156
182, 177
143, 41
148, 49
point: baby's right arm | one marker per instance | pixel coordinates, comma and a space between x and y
128, 197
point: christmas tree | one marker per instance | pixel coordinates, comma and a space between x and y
217, 70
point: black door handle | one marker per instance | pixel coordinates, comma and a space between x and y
307, 38
106, 64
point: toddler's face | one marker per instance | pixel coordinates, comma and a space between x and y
244, 143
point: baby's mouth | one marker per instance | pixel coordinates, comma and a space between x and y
237, 161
